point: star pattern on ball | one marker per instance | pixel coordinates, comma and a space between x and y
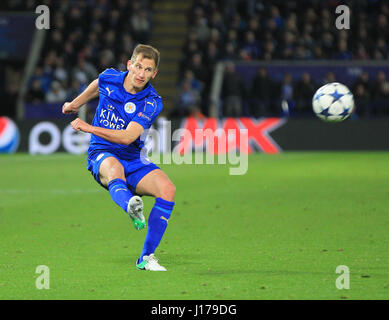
325, 112
320, 94
336, 95
345, 112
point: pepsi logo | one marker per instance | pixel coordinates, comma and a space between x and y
9, 135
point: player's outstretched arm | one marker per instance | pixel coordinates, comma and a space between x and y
133, 131
91, 92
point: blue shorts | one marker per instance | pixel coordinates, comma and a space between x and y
134, 170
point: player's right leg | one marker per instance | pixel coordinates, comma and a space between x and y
111, 175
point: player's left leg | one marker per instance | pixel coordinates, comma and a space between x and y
157, 184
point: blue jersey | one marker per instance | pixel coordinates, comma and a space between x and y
117, 108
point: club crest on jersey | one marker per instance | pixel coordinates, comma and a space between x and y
129, 107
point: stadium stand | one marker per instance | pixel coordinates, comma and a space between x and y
276, 30
88, 36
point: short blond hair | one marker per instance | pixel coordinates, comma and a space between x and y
147, 52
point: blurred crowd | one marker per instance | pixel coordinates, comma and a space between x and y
86, 37
246, 30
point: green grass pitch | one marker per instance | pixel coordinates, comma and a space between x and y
278, 232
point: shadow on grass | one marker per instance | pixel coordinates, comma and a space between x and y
163, 257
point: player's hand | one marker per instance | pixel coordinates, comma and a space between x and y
69, 108
80, 125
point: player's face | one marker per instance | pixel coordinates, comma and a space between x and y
141, 71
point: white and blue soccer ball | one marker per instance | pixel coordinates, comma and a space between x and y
333, 102
9, 135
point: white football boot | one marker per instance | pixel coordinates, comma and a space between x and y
150, 263
135, 211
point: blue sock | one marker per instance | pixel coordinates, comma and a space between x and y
120, 193
157, 225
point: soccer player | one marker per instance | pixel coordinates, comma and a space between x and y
128, 105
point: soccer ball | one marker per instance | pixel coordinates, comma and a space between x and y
333, 102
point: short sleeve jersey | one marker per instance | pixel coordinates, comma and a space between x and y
117, 108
